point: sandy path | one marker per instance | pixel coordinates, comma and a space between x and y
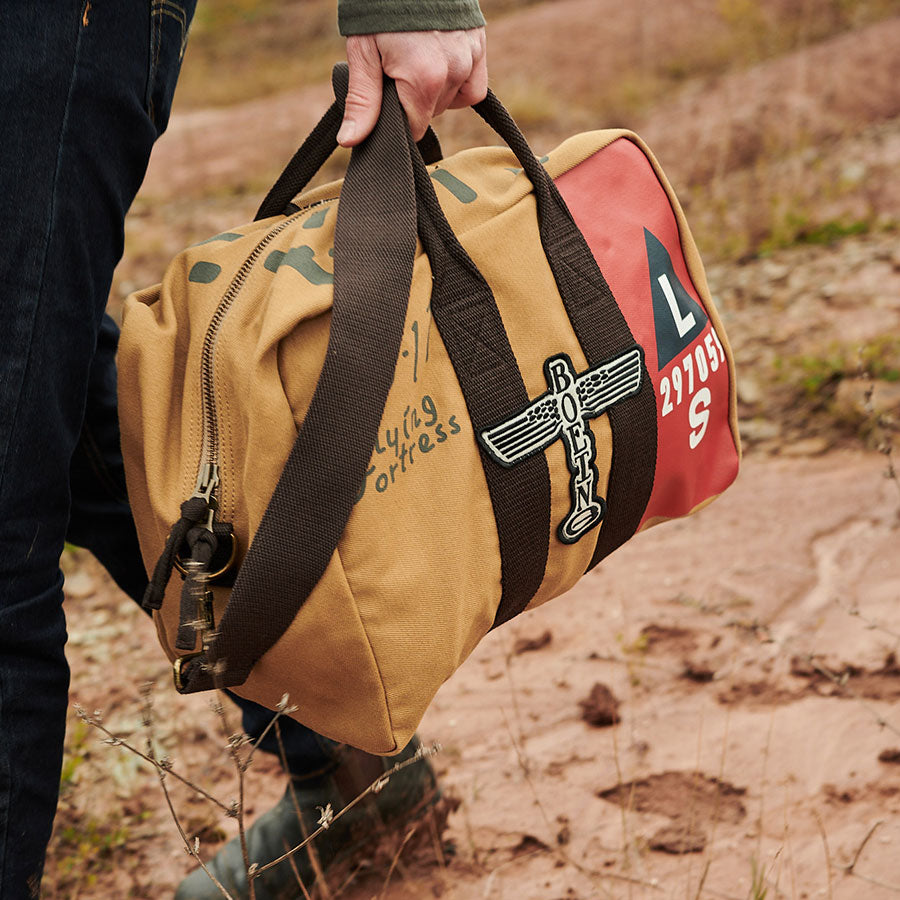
716, 634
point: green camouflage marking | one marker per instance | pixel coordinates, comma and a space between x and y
224, 236
542, 160
302, 260
204, 272
316, 220
458, 188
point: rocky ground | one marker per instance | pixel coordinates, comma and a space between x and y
711, 713
750, 652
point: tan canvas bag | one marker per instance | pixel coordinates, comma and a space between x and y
401, 409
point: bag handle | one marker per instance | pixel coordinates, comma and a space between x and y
465, 322
286, 559
318, 147
602, 331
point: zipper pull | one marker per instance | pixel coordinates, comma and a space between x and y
207, 482
197, 511
196, 597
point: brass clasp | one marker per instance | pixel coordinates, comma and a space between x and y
177, 667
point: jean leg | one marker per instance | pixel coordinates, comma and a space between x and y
84, 91
100, 517
78, 84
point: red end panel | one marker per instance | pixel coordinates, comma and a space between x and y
625, 216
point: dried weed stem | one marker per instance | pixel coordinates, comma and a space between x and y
329, 816
849, 868
821, 825
234, 743
311, 853
114, 740
594, 876
163, 768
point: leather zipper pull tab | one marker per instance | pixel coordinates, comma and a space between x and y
193, 512
196, 616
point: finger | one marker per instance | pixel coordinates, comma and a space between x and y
419, 96
364, 91
459, 68
474, 89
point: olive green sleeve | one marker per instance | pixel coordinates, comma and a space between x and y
374, 16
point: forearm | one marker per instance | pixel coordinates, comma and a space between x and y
374, 16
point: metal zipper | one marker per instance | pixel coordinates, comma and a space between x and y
208, 477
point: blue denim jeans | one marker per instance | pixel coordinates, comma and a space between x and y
85, 89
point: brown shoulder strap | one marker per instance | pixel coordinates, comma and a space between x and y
374, 251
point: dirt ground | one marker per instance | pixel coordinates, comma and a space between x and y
752, 654
712, 712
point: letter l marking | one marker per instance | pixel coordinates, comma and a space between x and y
683, 323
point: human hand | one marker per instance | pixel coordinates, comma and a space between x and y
433, 70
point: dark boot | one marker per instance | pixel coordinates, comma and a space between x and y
406, 796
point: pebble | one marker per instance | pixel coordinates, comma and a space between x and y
811, 446
775, 272
759, 429
854, 172
749, 390
79, 585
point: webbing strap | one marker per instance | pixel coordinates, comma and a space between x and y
602, 331
472, 330
374, 251
318, 146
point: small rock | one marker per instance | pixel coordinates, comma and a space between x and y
775, 272
802, 667
854, 172
834, 794
526, 645
564, 835
640, 748
699, 672
811, 446
891, 755
529, 844
759, 429
601, 707
79, 585
749, 390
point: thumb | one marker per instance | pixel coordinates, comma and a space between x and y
364, 91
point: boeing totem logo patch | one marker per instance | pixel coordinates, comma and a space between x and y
563, 412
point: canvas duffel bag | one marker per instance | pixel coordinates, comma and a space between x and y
366, 451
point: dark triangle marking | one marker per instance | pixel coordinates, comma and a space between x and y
678, 318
